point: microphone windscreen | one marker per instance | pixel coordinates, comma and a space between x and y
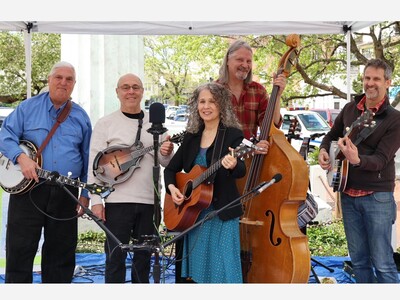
157, 113
277, 177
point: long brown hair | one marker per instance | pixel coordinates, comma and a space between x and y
222, 97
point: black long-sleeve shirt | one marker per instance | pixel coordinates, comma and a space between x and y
376, 171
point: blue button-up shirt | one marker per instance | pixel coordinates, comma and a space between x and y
67, 150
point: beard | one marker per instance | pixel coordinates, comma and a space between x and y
371, 93
241, 74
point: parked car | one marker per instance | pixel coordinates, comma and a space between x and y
177, 125
170, 111
328, 114
308, 124
4, 112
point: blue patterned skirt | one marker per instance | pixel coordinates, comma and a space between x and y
212, 251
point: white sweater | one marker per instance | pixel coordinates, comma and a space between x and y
116, 129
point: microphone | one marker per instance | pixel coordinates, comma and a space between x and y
157, 118
53, 176
157, 113
266, 184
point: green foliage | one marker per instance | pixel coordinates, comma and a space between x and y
324, 240
46, 50
312, 158
327, 239
183, 61
91, 242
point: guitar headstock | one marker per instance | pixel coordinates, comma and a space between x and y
245, 147
293, 133
365, 120
102, 191
178, 138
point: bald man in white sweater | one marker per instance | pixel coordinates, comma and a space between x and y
128, 211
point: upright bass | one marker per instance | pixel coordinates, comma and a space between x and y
273, 249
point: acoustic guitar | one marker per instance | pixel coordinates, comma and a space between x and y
198, 194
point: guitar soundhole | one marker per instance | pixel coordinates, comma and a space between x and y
188, 190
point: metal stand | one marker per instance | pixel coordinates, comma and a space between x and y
156, 130
89, 212
304, 149
318, 263
247, 196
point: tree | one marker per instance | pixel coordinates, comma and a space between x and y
46, 50
183, 62
322, 60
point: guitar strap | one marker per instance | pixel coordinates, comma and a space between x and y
139, 131
61, 118
218, 147
364, 134
368, 130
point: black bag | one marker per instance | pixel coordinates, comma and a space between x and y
307, 211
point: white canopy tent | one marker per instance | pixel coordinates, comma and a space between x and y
187, 27
182, 28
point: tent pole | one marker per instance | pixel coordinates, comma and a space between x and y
348, 45
28, 61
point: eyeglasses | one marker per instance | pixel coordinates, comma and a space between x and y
127, 87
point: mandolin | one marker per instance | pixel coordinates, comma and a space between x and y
116, 164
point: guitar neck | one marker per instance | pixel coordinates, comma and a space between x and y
207, 173
141, 152
64, 179
338, 153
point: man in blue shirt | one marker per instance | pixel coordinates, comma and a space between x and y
46, 206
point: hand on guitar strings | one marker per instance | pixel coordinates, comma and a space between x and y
262, 147
349, 150
279, 80
176, 194
28, 167
229, 161
323, 159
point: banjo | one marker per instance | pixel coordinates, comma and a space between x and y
337, 175
13, 181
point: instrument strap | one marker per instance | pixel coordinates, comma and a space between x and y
218, 146
368, 130
61, 118
139, 131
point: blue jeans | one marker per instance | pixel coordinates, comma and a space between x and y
368, 224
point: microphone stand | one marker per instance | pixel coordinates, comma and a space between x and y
89, 212
156, 130
156, 247
254, 192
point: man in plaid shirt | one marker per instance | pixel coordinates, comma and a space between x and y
249, 98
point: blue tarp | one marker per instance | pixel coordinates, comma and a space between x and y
90, 269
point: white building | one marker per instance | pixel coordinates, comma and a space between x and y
99, 61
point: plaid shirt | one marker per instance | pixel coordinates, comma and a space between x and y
361, 107
250, 107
